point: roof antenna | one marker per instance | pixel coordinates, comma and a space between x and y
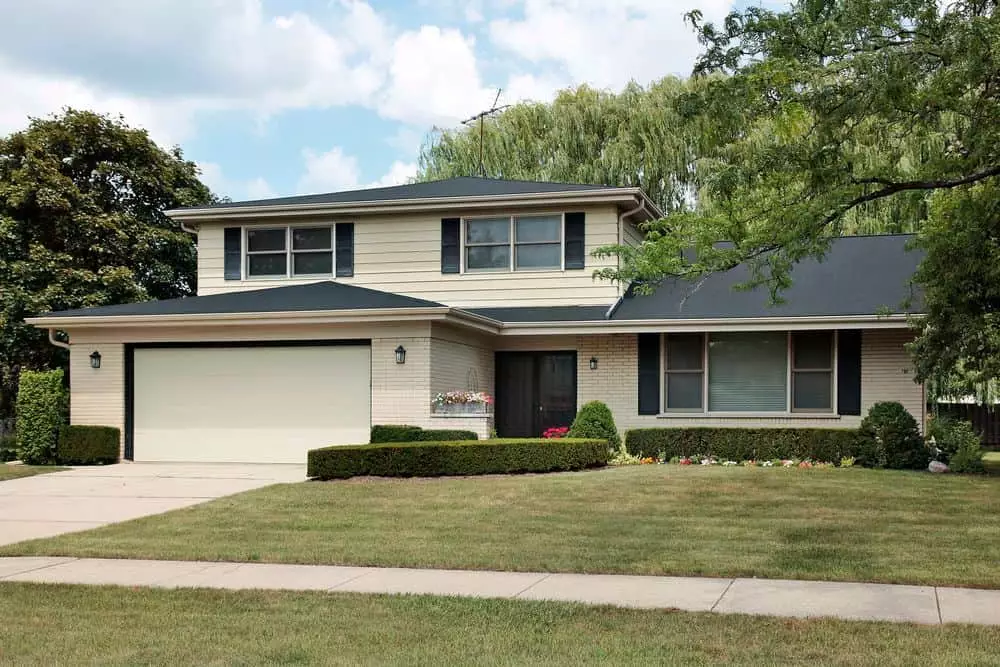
481, 117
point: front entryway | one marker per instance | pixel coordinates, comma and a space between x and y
534, 391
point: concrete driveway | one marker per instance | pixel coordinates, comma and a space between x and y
84, 498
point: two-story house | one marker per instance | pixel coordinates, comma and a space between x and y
318, 316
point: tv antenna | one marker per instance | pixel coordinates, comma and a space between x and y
481, 117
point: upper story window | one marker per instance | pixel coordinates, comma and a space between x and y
280, 252
514, 243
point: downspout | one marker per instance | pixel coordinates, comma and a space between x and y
621, 239
189, 230
57, 343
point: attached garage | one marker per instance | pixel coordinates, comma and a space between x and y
252, 403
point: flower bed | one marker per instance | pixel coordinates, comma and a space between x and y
706, 460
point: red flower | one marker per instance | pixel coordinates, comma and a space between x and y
556, 432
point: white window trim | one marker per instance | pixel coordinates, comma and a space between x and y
512, 243
787, 413
289, 252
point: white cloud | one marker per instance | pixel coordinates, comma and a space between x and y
328, 172
433, 78
335, 170
605, 43
399, 173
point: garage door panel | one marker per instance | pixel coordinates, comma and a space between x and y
249, 404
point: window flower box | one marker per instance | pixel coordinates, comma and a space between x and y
462, 403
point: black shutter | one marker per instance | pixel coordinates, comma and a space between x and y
849, 372
575, 248
345, 249
232, 253
649, 373
451, 252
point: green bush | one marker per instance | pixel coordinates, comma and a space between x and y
405, 433
890, 438
444, 434
395, 433
41, 410
88, 445
594, 420
8, 448
957, 444
476, 457
744, 444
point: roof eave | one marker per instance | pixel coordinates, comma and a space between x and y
608, 195
894, 321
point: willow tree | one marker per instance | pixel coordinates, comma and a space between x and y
636, 137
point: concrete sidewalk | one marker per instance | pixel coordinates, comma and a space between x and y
772, 597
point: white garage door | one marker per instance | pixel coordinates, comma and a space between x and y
249, 404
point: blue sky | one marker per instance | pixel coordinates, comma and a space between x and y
277, 97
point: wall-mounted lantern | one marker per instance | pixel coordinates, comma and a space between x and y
593, 363
400, 355
95, 359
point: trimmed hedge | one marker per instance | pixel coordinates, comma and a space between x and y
744, 444
88, 445
41, 410
891, 439
404, 433
476, 457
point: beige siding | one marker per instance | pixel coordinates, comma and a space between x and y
887, 372
460, 363
98, 394
631, 236
403, 255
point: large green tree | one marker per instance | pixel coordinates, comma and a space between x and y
82, 197
840, 115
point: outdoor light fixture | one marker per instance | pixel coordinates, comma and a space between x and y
95, 359
593, 363
400, 355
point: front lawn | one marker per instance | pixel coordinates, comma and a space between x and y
992, 462
851, 525
14, 472
49, 625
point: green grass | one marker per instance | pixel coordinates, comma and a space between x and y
992, 462
849, 525
76, 625
14, 472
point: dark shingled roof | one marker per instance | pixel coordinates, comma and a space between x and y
326, 295
464, 186
544, 313
860, 275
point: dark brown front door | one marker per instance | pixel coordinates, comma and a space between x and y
535, 391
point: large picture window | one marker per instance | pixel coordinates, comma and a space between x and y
749, 372
280, 252
514, 243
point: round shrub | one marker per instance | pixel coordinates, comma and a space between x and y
596, 421
890, 438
